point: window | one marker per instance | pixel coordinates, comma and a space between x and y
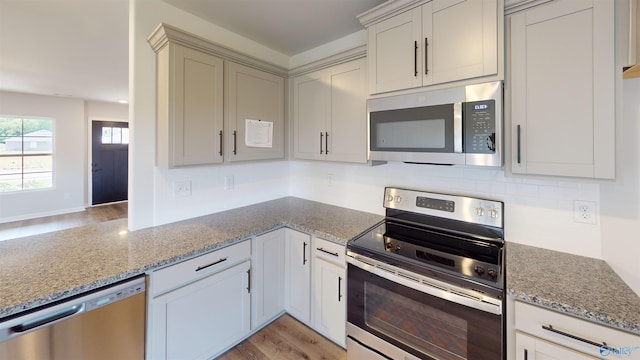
115, 135
26, 153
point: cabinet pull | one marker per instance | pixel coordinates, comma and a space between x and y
220, 134
321, 135
518, 143
326, 143
212, 264
426, 58
328, 252
415, 58
339, 288
235, 152
304, 253
526, 354
249, 281
574, 337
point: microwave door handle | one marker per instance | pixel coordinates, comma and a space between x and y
457, 128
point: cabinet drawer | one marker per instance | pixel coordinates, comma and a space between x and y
571, 332
185, 272
329, 251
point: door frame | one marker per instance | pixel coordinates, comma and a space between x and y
89, 184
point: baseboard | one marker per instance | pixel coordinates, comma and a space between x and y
41, 214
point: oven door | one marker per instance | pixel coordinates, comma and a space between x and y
394, 316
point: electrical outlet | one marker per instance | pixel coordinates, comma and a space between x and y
584, 212
330, 179
182, 188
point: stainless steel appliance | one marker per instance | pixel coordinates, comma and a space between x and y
428, 281
457, 126
105, 324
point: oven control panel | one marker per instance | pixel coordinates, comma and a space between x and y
463, 208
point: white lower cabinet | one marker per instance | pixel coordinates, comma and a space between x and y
298, 275
329, 290
542, 334
532, 348
200, 307
268, 277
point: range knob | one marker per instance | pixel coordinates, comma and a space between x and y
493, 274
493, 213
389, 198
480, 211
479, 270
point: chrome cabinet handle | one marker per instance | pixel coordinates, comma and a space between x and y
249, 281
574, 337
328, 252
415, 58
220, 134
304, 253
235, 152
212, 264
326, 143
321, 135
426, 58
518, 144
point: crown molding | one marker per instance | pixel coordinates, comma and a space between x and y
165, 33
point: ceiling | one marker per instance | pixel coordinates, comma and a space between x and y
79, 48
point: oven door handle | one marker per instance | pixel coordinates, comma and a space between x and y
490, 305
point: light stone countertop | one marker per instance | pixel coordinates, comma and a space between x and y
574, 285
41, 269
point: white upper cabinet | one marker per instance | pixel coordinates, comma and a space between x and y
329, 114
190, 107
252, 95
562, 89
438, 42
207, 95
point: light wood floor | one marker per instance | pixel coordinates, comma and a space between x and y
285, 339
47, 224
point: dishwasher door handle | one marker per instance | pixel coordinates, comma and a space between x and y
29, 325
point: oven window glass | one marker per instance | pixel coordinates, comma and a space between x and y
415, 134
416, 324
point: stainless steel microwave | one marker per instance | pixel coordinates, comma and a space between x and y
456, 126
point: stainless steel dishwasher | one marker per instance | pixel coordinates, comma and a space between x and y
107, 323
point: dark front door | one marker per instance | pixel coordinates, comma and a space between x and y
110, 161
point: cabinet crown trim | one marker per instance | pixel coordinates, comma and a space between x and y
387, 9
165, 33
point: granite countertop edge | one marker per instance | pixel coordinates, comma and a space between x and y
575, 311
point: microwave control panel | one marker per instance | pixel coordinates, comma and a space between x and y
480, 127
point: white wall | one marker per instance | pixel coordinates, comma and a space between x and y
621, 200
537, 212
69, 157
150, 199
101, 110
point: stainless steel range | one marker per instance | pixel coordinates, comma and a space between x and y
428, 281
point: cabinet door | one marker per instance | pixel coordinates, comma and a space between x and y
253, 95
562, 89
394, 49
347, 127
203, 318
190, 103
268, 277
298, 275
310, 94
460, 39
532, 348
329, 300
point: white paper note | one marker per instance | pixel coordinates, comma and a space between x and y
258, 133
